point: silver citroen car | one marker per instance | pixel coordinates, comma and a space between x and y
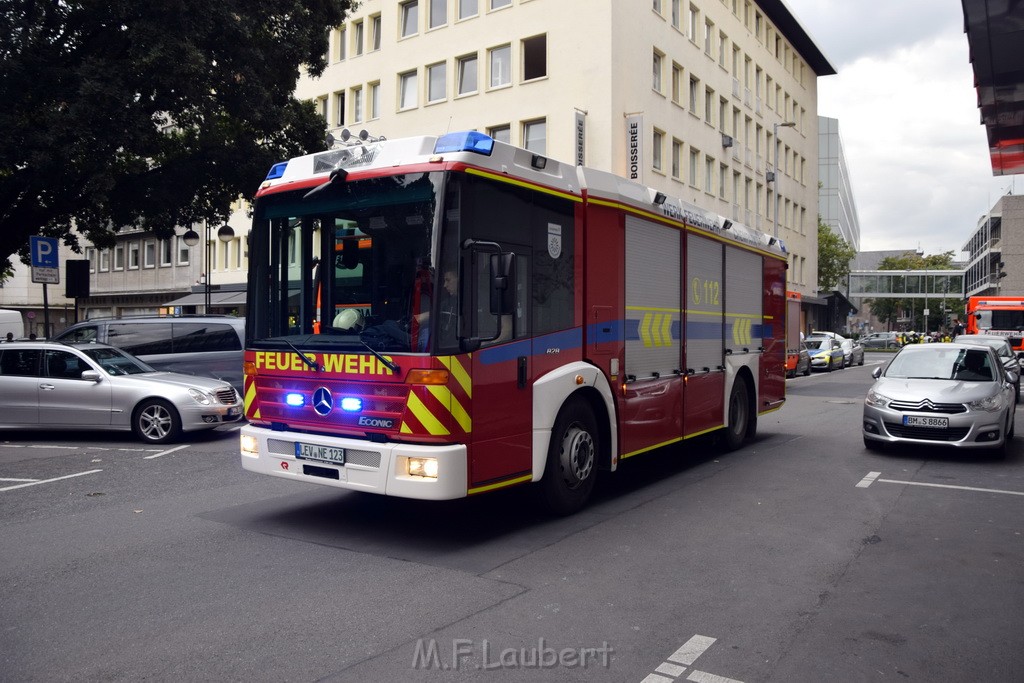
55, 385
959, 395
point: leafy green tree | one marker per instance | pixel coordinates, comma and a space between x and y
149, 114
834, 256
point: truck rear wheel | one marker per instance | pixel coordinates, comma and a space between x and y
739, 415
571, 468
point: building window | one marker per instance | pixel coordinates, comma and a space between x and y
133, 256
677, 83
357, 38
375, 32
407, 90
657, 6
501, 133
676, 10
691, 23
694, 165
694, 94
501, 66
677, 158
104, 260
340, 45
709, 106
709, 37
438, 13
119, 257
90, 255
723, 113
339, 108
468, 8
437, 77
467, 74
709, 174
723, 173
498, 4
722, 41
657, 142
374, 100
182, 251
535, 57
535, 136
149, 255
166, 253
410, 18
357, 104
656, 71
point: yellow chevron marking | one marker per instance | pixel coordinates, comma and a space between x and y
426, 418
645, 329
405, 428
449, 401
666, 330
459, 373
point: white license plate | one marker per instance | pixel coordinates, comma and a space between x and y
306, 451
922, 421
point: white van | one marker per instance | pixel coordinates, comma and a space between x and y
11, 322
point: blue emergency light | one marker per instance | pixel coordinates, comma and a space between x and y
276, 171
295, 400
465, 141
351, 404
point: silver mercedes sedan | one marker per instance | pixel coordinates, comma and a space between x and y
54, 385
958, 395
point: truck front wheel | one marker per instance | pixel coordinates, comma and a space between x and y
571, 468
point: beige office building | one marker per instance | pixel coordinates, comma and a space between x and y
688, 97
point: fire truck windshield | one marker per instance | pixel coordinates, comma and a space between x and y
350, 266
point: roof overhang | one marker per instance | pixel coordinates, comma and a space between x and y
995, 34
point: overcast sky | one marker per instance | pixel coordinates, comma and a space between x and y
908, 117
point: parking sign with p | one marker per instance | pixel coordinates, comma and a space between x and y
45, 263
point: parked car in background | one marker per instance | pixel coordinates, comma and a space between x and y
803, 363
880, 340
856, 351
958, 395
207, 345
826, 353
1003, 350
53, 385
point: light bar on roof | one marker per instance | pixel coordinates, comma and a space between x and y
465, 141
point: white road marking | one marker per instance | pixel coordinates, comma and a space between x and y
950, 486
868, 480
162, 453
874, 476
47, 481
668, 672
691, 649
703, 677
6, 479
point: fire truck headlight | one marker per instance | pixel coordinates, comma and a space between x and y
423, 467
250, 446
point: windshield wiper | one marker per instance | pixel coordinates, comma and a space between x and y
390, 365
305, 359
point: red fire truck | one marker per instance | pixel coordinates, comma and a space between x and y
436, 317
1001, 315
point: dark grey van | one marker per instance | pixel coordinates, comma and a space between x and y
209, 345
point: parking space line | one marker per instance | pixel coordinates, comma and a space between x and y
704, 677
162, 453
691, 649
6, 479
47, 481
874, 476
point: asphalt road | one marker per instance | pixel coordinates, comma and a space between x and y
801, 557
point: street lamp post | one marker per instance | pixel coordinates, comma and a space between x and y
775, 172
191, 238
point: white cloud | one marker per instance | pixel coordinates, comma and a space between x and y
907, 110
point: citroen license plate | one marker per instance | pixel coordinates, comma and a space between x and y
923, 421
331, 454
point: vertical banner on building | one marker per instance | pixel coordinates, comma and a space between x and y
635, 147
581, 138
